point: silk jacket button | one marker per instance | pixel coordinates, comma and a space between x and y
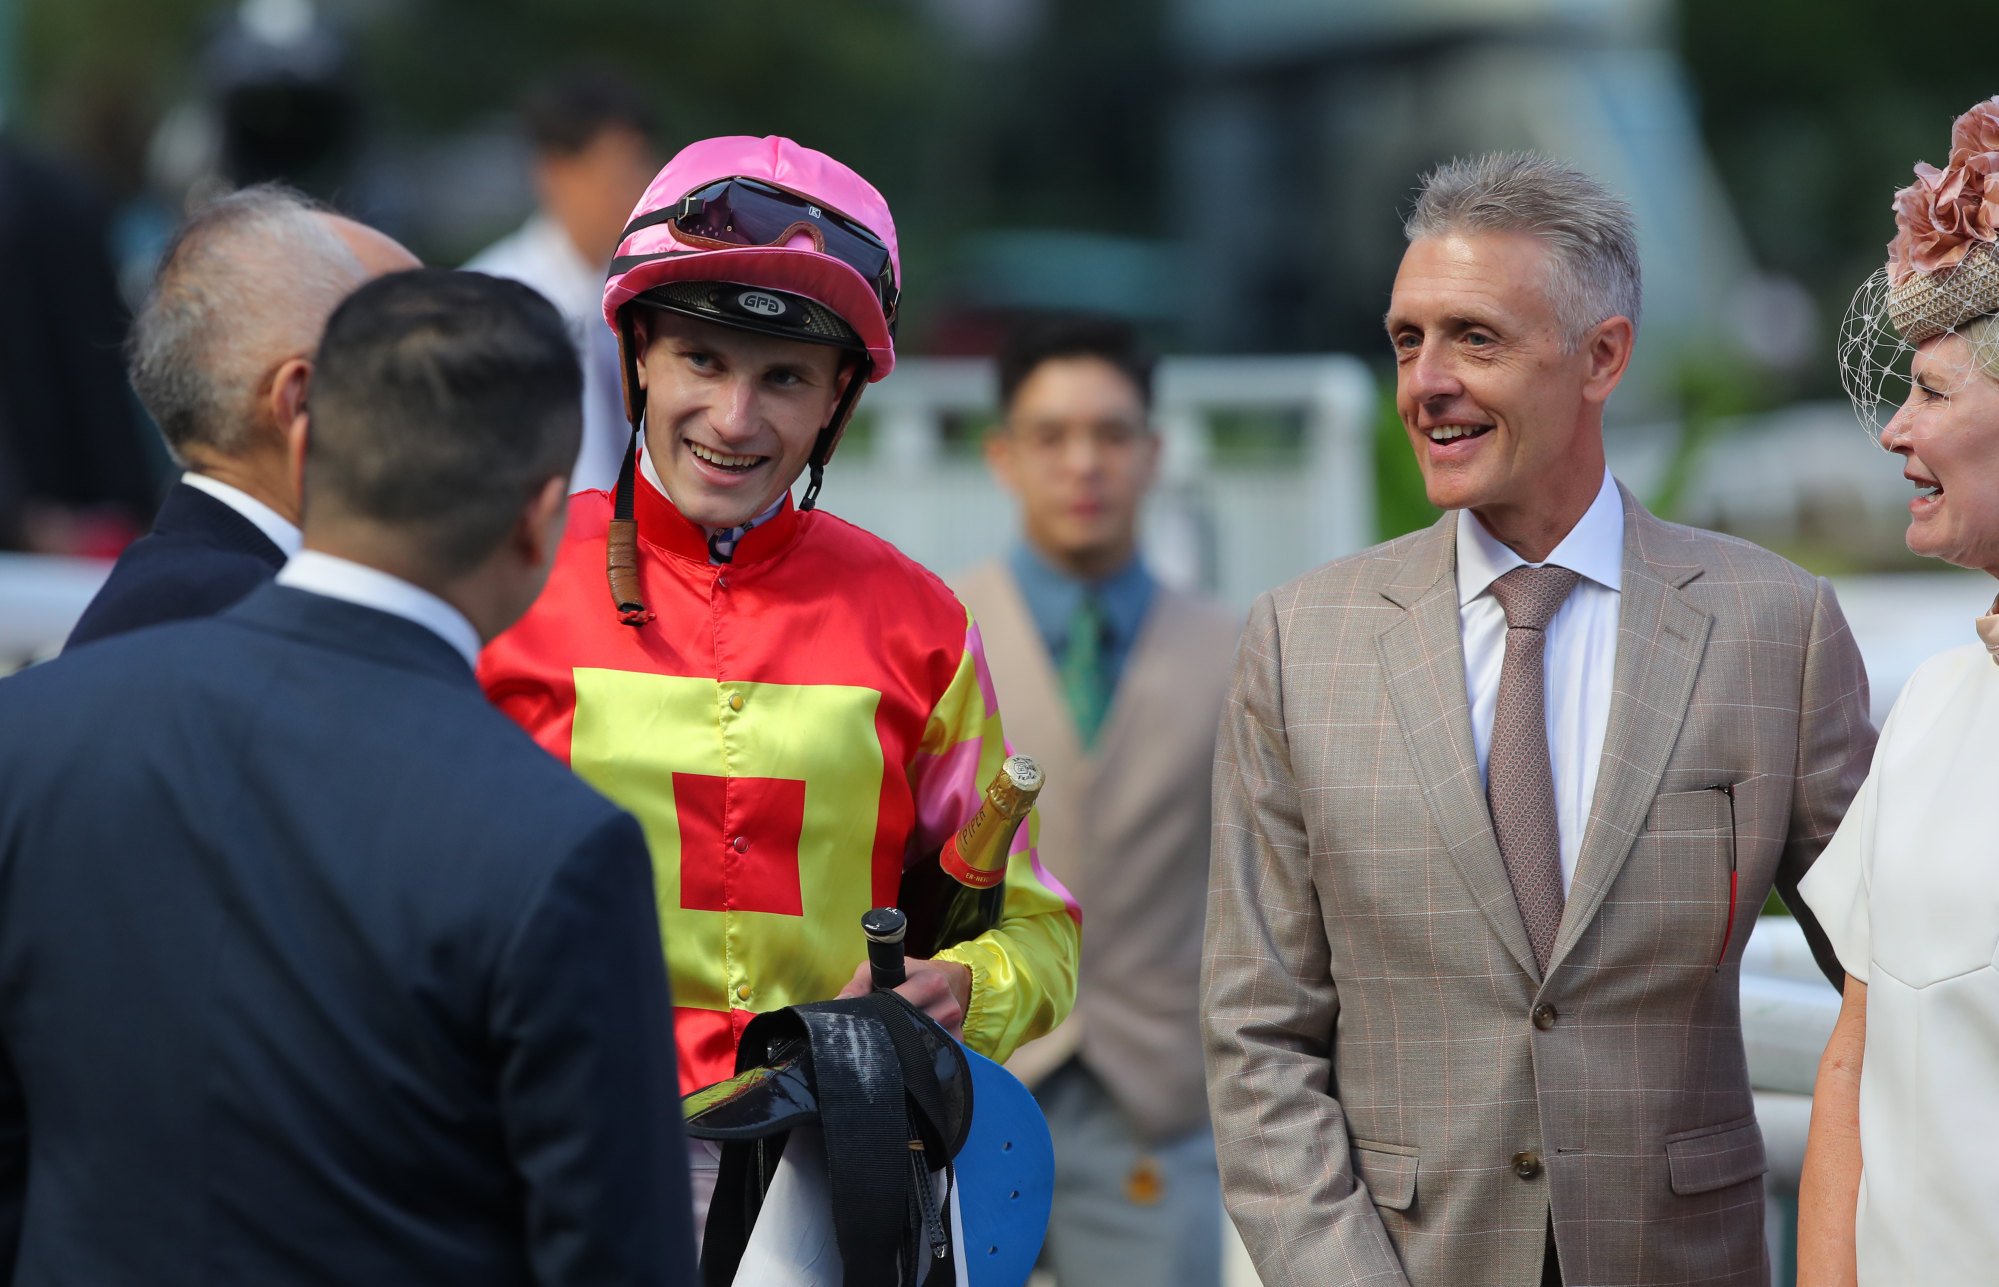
741, 844
735, 701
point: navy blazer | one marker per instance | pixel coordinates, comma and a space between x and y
314, 968
200, 558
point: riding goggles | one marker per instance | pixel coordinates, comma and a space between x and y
749, 212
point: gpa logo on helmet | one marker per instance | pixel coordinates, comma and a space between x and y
761, 303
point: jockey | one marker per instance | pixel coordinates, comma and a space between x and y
796, 711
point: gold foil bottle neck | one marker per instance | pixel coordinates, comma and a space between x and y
984, 842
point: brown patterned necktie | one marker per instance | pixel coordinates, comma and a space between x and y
1519, 781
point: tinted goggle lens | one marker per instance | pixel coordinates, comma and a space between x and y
740, 212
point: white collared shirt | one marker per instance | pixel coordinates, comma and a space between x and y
351, 582
1579, 658
277, 529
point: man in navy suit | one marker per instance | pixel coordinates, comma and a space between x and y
221, 355
313, 967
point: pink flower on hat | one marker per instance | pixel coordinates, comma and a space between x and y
1940, 216
1976, 131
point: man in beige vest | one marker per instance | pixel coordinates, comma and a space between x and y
1115, 683
1496, 806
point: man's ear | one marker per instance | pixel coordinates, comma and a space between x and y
1153, 444
289, 384
297, 442
641, 342
538, 534
1608, 350
999, 455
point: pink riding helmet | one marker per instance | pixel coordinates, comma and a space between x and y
796, 266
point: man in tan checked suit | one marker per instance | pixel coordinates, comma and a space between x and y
1496, 805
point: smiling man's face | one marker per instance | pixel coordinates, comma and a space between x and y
731, 416
1504, 415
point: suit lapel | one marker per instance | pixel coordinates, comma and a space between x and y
1660, 640
1422, 655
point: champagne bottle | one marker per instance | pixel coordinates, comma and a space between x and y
960, 898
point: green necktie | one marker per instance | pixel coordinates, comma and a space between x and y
1083, 681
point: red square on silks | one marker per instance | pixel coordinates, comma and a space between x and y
739, 843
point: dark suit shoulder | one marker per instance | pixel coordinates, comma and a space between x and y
164, 579
200, 558
432, 745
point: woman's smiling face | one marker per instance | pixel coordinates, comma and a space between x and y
1947, 435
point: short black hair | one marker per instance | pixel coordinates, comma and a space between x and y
441, 402
1071, 335
565, 113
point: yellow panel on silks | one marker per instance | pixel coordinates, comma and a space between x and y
760, 803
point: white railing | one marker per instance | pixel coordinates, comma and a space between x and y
1233, 529
40, 599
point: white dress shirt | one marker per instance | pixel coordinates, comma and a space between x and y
1579, 654
276, 528
338, 578
540, 254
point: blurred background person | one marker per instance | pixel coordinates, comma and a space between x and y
76, 476
1115, 683
221, 356
1899, 1176
354, 984
595, 141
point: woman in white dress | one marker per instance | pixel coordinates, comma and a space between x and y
1901, 1179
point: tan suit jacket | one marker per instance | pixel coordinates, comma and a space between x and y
1398, 1095
1125, 825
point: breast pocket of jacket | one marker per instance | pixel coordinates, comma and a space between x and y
1674, 900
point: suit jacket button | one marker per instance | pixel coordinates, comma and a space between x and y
1527, 1165
1544, 1016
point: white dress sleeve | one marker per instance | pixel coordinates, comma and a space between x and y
1837, 886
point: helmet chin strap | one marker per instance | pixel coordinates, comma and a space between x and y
822, 447
621, 546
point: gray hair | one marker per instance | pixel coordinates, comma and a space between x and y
246, 284
1591, 239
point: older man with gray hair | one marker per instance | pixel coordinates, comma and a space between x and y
1496, 805
221, 356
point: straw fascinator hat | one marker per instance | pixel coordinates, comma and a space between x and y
1943, 264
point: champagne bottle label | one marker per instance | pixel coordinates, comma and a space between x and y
976, 856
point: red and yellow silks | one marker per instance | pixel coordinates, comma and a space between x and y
792, 730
